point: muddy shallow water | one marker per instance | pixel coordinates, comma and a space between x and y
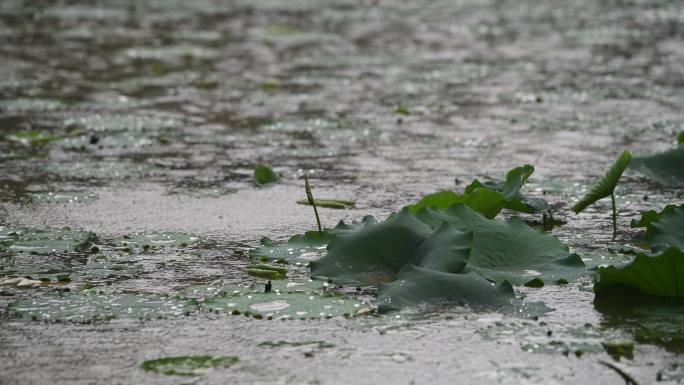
149, 116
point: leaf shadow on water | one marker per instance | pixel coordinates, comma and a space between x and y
651, 320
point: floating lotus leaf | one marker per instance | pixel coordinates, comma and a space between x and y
100, 304
375, 253
186, 365
156, 239
665, 228
415, 285
510, 250
666, 168
304, 248
661, 275
286, 300
49, 241
456, 250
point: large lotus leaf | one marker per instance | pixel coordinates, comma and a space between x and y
666, 168
286, 300
446, 250
606, 185
100, 304
508, 250
415, 285
376, 252
303, 248
49, 241
661, 275
665, 228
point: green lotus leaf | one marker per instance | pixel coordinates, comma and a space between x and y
415, 285
264, 175
501, 251
666, 168
375, 253
508, 251
491, 197
663, 228
661, 275
186, 365
606, 185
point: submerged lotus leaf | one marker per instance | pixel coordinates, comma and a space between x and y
155, 239
665, 228
666, 168
31, 137
186, 365
61, 197
303, 248
100, 304
415, 285
286, 300
661, 275
48, 241
510, 250
124, 122
57, 269
120, 169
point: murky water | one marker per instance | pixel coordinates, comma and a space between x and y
147, 117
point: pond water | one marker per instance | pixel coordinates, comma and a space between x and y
130, 131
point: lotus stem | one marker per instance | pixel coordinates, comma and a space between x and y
612, 198
312, 202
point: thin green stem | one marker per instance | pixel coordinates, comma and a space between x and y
612, 197
312, 202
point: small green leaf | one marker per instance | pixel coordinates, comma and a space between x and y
606, 185
402, 110
535, 282
680, 137
264, 175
